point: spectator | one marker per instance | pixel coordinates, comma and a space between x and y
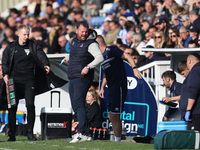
185, 38
93, 109
161, 25
147, 37
137, 43
65, 11
175, 22
106, 27
24, 12
69, 38
111, 36
139, 60
192, 44
169, 36
78, 15
123, 31
194, 5
151, 56
185, 21
159, 8
49, 10
145, 25
11, 23
91, 8
152, 31
169, 80
37, 37
53, 46
14, 12
3, 26
18, 21
76, 4
129, 37
10, 35
195, 20
138, 10
33, 22
193, 34
176, 39
168, 4
149, 14
159, 40
62, 41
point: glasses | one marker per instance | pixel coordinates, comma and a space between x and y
174, 35
60, 41
157, 37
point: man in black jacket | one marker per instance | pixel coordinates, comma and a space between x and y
19, 62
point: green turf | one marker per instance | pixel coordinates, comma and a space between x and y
60, 144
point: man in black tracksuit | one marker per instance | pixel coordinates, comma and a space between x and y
19, 62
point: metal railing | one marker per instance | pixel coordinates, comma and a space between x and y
152, 74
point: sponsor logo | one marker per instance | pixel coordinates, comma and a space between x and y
57, 125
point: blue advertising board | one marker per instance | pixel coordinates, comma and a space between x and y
139, 114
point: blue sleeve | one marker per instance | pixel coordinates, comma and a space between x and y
193, 84
178, 90
116, 52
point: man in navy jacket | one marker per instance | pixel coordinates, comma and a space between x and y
193, 88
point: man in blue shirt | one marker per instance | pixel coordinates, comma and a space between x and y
193, 88
169, 80
116, 80
184, 35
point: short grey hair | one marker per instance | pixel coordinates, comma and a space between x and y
137, 37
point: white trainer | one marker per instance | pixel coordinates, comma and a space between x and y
76, 138
80, 138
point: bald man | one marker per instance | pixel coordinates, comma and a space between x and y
62, 41
193, 88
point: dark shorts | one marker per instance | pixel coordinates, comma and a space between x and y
170, 111
116, 98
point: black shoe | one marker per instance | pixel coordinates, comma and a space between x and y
11, 139
31, 137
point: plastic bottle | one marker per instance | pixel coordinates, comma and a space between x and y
100, 134
94, 134
105, 134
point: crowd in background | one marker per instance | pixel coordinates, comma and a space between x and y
129, 24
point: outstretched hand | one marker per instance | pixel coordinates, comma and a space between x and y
47, 68
137, 73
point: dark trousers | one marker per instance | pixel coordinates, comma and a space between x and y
196, 121
78, 89
23, 89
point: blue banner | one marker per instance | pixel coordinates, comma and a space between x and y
139, 114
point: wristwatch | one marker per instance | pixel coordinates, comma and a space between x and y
134, 67
88, 67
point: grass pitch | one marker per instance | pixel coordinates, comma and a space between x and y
22, 143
